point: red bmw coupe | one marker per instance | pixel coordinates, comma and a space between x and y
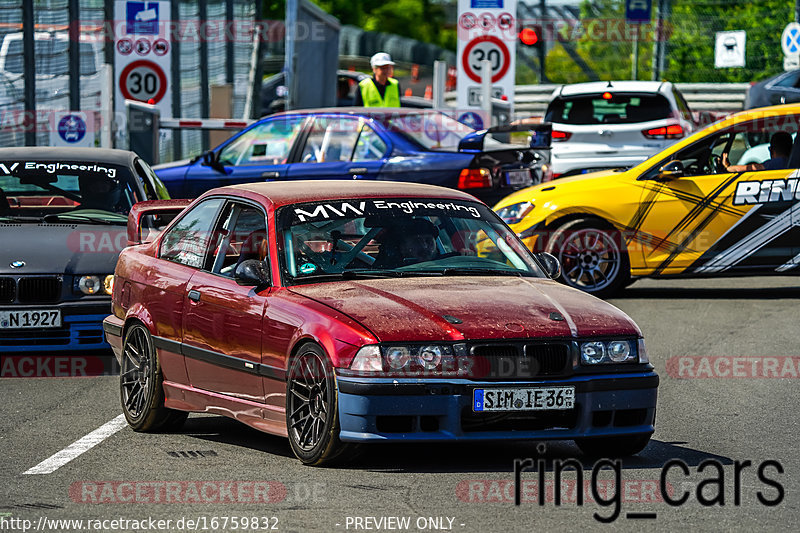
338, 313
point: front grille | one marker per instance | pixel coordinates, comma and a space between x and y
7, 290
519, 361
551, 359
39, 290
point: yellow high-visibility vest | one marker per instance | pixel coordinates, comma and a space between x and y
372, 98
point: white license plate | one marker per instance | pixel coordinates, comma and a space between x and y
30, 318
523, 399
518, 177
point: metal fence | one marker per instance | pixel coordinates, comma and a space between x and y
69, 77
713, 98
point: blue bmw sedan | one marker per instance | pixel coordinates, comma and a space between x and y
412, 145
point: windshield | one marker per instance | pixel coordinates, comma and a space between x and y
431, 129
77, 191
396, 237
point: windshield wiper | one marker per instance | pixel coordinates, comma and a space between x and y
461, 271
84, 218
14, 218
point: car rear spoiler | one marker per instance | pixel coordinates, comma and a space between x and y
151, 207
540, 138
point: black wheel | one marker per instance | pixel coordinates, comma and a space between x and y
593, 257
611, 447
141, 385
312, 416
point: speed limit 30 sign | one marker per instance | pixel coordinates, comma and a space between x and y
486, 47
144, 81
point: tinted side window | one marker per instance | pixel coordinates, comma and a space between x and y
241, 235
187, 242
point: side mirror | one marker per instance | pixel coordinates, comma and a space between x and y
551, 265
252, 273
670, 171
210, 159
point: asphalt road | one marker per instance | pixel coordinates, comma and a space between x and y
715, 408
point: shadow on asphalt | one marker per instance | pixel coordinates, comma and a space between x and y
703, 293
228, 431
499, 457
440, 457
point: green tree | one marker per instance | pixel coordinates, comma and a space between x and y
694, 23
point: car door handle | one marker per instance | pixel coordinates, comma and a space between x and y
271, 175
194, 295
358, 171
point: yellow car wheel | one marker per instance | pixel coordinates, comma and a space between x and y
593, 256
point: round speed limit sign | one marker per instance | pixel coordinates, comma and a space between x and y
490, 48
144, 81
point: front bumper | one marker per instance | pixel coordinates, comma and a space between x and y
380, 410
81, 329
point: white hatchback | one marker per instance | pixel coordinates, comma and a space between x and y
614, 124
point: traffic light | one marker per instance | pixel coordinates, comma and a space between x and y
531, 36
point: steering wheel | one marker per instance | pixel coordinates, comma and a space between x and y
714, 165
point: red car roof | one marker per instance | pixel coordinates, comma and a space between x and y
290, 192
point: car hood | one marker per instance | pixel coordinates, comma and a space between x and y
579, 183
482, 307
60, 248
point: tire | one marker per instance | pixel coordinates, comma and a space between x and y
141, 385
312, 414
593, 257
612, 447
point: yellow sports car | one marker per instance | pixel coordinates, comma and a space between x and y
704, 206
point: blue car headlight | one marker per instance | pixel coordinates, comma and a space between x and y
514, 213
611, 352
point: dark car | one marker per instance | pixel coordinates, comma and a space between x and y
420, 146
346, 313
63, 214
781, 89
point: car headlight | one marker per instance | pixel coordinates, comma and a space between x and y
430, 357
618, 351
643, 357
90, 285
514, 213
367, 359
108, 284
398, 357
407, 360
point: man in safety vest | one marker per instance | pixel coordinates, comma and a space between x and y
381, 90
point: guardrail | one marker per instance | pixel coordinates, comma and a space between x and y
712, 97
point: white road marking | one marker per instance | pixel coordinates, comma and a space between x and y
83, 444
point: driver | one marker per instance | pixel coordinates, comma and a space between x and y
99, 192
408, 241
780, 146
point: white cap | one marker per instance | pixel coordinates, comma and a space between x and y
380, 59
